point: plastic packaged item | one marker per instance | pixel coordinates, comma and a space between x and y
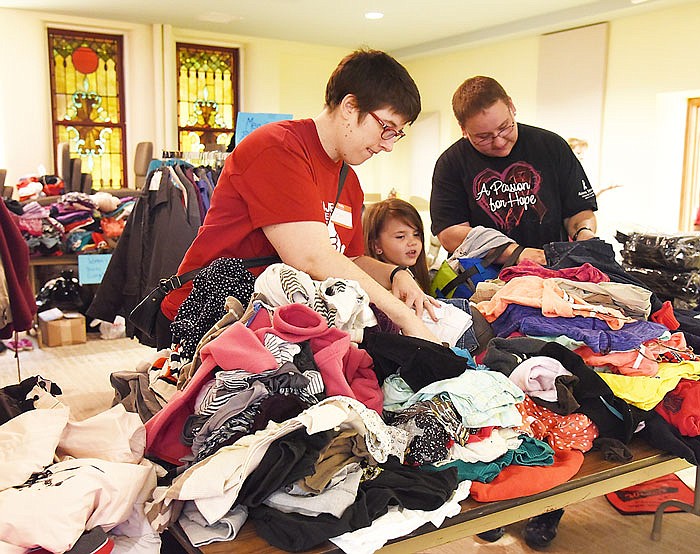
680, 252
667, 283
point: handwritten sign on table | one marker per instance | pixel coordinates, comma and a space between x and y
247, 122
92, 267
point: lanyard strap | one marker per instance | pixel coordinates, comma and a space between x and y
341, 183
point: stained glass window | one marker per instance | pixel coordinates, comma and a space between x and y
207, 96
87, 102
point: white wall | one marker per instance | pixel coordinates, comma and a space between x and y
571, 88
277, 76
652, 71
25, 101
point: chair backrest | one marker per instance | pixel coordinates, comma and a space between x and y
142, 158
63, 162
75, 183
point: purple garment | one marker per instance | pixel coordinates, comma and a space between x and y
34, 210
592, 331
384, 324
205, 185
67, 218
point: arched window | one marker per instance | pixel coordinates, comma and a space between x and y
87, 102
207, 96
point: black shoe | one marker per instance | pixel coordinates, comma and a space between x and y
492, 535
540, 530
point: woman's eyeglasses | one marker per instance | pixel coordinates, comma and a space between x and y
388, 133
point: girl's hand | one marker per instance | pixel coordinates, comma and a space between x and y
405, 288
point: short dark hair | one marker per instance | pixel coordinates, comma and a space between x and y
377, 81
475, 95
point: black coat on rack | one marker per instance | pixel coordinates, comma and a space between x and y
156, 236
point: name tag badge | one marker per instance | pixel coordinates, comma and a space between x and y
342, 215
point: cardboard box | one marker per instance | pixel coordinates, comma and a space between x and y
70, 329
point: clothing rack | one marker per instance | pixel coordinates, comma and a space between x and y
214, 158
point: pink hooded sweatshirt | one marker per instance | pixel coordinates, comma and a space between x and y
346, 370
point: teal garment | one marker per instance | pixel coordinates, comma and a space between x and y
77, 240
396, 393
484, 472
471, 363
532, 452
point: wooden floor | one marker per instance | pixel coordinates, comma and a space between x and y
589, 527
81, 370
594, 527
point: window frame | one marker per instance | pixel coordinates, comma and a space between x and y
119, 69
235, 83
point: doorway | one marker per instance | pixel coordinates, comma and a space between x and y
690, 186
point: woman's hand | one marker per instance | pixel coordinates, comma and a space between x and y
405, 288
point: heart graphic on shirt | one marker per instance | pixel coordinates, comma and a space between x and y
506, 196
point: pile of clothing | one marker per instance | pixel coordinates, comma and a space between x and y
77, 477
76, 223
285, 402
297, 405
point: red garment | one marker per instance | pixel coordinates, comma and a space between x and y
583, 273
280, 173
516, 481
235, 348
561, 432
681, 407
14, 255
665, 316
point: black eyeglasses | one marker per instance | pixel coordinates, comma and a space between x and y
503, 133
388, 133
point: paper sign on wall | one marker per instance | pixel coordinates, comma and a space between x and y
247, 122
92, 267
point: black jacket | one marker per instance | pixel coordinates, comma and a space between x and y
156, 236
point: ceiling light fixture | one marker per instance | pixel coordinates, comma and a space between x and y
374, 15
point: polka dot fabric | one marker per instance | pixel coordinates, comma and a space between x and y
206, 303
571, 432
429, 439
